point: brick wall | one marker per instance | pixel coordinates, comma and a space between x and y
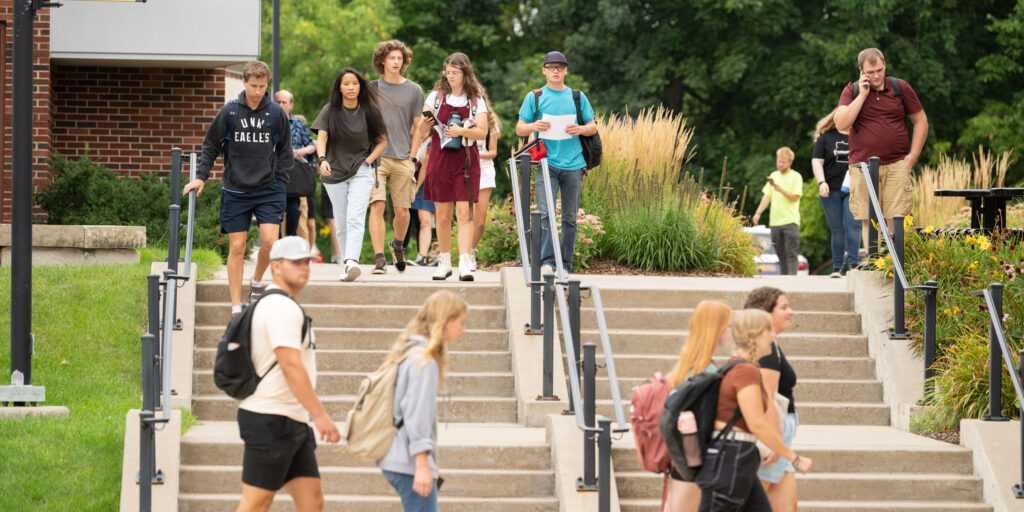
41, 108
130, 118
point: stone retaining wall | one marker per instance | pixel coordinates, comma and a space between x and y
78, 245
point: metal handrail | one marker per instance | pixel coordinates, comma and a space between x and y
997, 325
524, 253
191, 213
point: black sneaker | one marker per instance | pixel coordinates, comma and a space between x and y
420, 261
399, 251
380, 266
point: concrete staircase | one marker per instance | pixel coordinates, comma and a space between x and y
489, 461
860, 464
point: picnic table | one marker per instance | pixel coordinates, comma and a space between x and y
988, 205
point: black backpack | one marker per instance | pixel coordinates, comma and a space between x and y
699, 394
897, 90
233, 371
591, 144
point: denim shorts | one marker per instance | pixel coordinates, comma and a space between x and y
237, 208
775, 472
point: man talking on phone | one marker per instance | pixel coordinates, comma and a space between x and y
874, 110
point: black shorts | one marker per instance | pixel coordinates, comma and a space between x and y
277, 449
326, 208
237, 209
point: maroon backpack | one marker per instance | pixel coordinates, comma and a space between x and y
645, 413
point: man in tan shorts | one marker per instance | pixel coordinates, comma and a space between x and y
877, 125
397, 169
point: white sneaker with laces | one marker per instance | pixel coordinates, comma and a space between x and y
547, 269
444, 266
351, 271
466, 266
473, 260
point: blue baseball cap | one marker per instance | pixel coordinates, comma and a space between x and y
555, 57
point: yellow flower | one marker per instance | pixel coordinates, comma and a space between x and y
947, 311
908, 222
890, 274
970, 239
974, 265
938, 243
983, 243
324, 231
994, 259
928, 230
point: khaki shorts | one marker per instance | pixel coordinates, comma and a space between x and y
895, 191
400, 177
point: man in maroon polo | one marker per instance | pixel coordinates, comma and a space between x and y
876, 119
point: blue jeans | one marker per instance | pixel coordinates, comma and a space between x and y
568, 182
845, 229
411, 502
349, 200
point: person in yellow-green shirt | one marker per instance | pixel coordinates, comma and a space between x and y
782, 192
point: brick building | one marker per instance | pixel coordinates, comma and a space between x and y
125, 81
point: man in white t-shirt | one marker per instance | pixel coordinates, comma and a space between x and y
274, 420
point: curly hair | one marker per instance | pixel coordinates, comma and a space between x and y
384, 48
764, 298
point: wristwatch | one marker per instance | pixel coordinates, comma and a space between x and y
320, 159
820, 183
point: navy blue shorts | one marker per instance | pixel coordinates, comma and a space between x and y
237, 208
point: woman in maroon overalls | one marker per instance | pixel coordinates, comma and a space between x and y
453, 168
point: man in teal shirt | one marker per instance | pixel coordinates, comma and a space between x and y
783, 192
565, 154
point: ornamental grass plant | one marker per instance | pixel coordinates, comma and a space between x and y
985, 170
657, 216
961, 265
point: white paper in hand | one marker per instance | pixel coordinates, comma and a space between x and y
558, 124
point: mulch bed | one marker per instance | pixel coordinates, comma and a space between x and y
606, 266
951, 437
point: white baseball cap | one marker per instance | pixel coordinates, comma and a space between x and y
290, 248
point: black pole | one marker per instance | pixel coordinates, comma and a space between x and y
549, 335
525, 197
153, 305
21, 193
1018, 488
277, 48
899, 323
930, 294
147, 440
872, 218
995, 360
535, 327
574, 329
604, 493
588, 482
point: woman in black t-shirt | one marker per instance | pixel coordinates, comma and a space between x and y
830, 164
779, 479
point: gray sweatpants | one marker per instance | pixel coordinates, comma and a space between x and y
786, 239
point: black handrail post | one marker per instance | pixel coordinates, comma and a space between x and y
153, 305
588, 482
995, 357
930, 297
872, 218
524, 192
604, 493
535, 327
549, 337
147, 439
899, 330
574, 328
1018, 488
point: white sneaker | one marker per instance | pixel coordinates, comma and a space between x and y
351, 271
466, 266
547, 269
835, 275
472, 261
444, 266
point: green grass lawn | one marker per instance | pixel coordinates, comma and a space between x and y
87, 321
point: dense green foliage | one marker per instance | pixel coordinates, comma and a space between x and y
750, 75
84, 192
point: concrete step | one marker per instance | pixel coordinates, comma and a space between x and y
360, 503
653, 505
476, 482
339, 383
366, 361
360, 293
811, 413
667, 342
366, 316
688, 298
679, 318
807, 390
460, 446
806, 367
459, 409
369, 338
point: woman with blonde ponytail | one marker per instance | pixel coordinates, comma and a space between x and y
742, 389
410, 466
708, 330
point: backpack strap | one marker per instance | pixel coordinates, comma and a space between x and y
229, 124
276, 114
406, 352
307, 321
579, 111
897, 91
438, 100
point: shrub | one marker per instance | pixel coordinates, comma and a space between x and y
961, 265
84, 192
815, 236
500, 241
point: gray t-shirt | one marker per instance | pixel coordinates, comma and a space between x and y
345, 150
405, 105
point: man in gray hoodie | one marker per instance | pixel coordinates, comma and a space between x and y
254, 135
